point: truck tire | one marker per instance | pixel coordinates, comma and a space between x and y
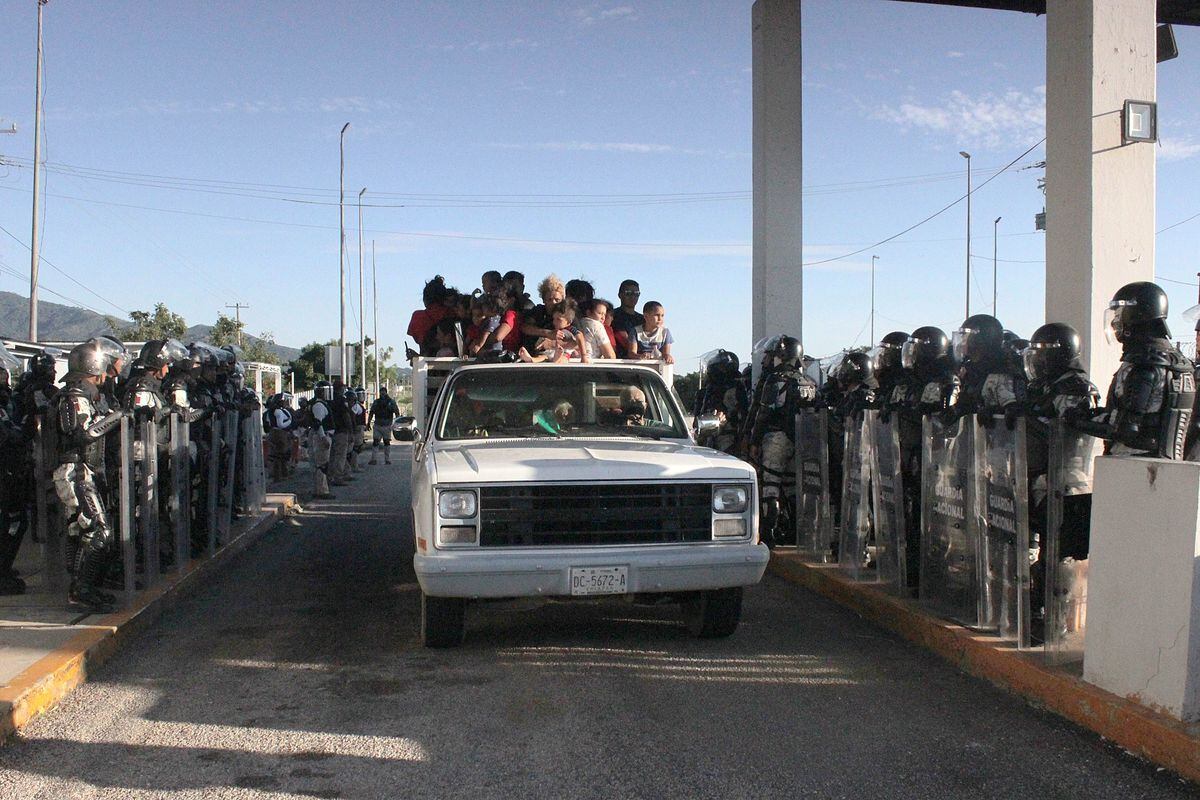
713, 614
442, 620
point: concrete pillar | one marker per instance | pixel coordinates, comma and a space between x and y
777, 279
1143, 594
1099, 194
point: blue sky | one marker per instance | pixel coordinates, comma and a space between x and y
603, 140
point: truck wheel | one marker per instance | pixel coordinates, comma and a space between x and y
442, 620
713, 614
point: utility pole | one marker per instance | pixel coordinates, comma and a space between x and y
967, 156
237, 311
362, 309
34, 256
873, 260
995, 238
342, 244
375, 301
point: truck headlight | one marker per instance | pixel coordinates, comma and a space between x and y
449, 535
730, 499
457, 504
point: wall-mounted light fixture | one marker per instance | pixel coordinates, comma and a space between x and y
1139, 121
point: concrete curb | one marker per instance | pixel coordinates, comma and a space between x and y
1153, 736
46, 682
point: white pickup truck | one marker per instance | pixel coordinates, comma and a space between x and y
576, 480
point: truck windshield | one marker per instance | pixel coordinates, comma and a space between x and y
554, 402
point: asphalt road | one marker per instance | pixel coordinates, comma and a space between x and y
299, 673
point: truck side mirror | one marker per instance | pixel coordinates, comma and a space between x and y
706, 424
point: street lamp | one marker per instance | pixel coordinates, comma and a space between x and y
34, 257
967, 156
342, 245
873, 260
362, 309
995, 237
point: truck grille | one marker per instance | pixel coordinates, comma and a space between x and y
580, 515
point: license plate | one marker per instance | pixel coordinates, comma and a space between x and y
599, 580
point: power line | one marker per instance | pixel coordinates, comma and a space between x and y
65, 274
1177, 224
932, 216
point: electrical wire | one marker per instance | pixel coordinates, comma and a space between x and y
42, 259
1177, 224
932, 216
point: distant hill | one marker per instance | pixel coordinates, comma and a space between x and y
57, 323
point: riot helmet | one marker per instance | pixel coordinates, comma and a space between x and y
360, 394
1052, 350
925, 347
887, 356
159, 353
120, 362
855, 368
720, 365
1136, 306
980, 337
284, 400
788, 351
323, 390
349, 395
91, 359
42, 364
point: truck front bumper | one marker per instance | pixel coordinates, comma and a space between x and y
530, 573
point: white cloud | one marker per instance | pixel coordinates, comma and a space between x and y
990, 120
955, 54
1177, 149
586, 16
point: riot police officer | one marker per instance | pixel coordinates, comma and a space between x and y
930, 389
1149, 406
278, 421
887, 365
358, 408
723, 395
786, 389
319, 415
83, 419
988, 384
14, 448
36, 390
1058, 389
858, 388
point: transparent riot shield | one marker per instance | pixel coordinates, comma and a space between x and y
1001, 486
253, 471
213, 480
229, 472
814, 523
887, 493
49, 528
949, 577
1064, 554
147, 499
178, 505
127, 503
855, 533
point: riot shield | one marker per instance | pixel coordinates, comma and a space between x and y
213, 478
949, 577
127, 503
887, 488
181, 482
1064, 554
1001, 484
855, 532
814, 524
147, 499
48, 523
254, 471
229, 473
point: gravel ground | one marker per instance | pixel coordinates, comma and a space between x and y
299, 673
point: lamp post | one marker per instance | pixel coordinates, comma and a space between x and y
995, 238
362, 309
342, 246
967, 156
375, 300
873, 260
34, 257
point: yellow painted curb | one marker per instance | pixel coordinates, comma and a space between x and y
1153, 736
47, 681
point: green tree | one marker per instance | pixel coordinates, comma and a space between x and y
227, 331
309, 366
161, 324
687, 386
259, 348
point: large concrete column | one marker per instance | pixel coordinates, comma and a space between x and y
777, 279
1099, 194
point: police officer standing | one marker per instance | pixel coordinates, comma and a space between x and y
319, 415
1149, 407
785, 391
83, 418
383, 413
14, 448
278, 421
343, 433
358, 408
988, 385
723, 395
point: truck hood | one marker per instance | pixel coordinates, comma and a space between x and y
575, 460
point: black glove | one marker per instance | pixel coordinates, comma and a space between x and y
1012, 413
986, 420
885, 416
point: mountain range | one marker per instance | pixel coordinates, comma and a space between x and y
58, 323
